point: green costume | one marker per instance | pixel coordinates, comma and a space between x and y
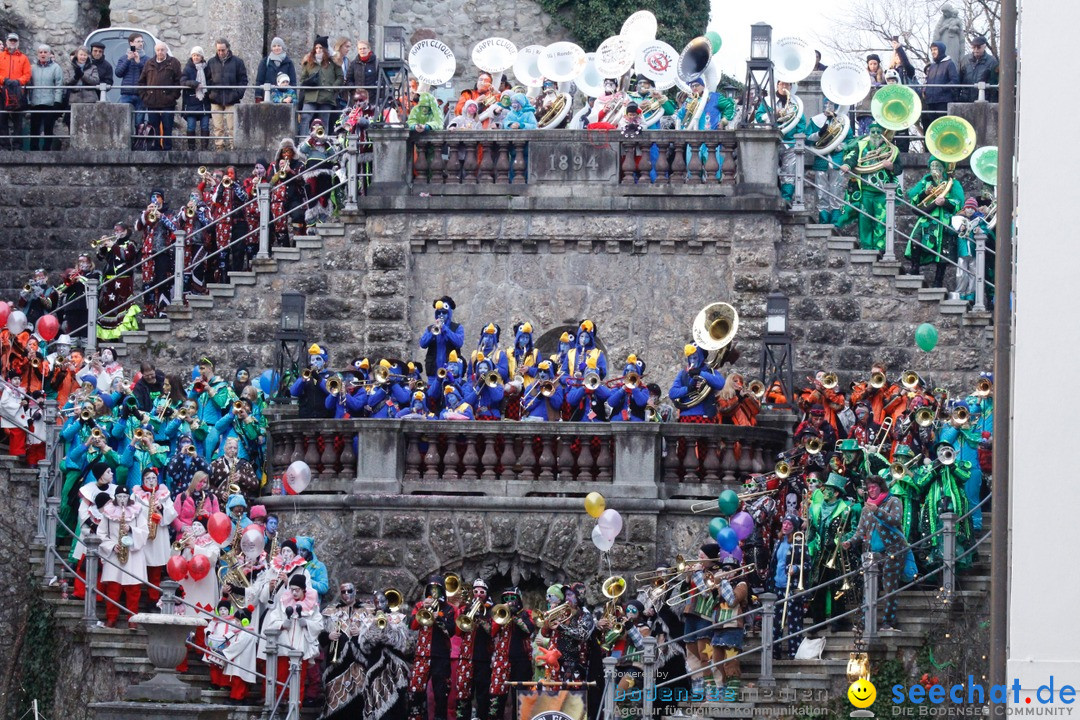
906, 489
943, 481
937, 235
426, 113
866, 191
828, 526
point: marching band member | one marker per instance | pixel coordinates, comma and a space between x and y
586, 349
627, 403
487, 399
440, 338
941, 486
344, 676
906, 489
485, 94
522, 366
296, 615
933, 241
467, 119
727, 640
538, 406
318, 173
38, 297
231, 469
311, 391
511, 653
160, 514
92, 498
881, 399
866, 189
646, 95
287, 194
117, 256
572, 636
689, 379
830, 200
157, 228
735, 405
566, 343
473, 674
432, 660
488, 347
829, 524
195, 504
784, 567
184, 464
425, 115
217, 635
828, 399
878, 531
698, 612
586, 404
241, 657
123, 532
456, 408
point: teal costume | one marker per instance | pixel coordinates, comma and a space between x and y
943, 481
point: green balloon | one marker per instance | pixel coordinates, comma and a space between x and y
714, 40
728, 502
926, 337
716, 525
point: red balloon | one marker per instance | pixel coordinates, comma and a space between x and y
219, 526
177, 567
47, 327
5, 310
199, 567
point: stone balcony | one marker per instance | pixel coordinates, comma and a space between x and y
516, 459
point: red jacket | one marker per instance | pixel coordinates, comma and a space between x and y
15, 66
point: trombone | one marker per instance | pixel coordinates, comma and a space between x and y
898, 469
797, 538
707, 582
882, 436
679, 569
103, 240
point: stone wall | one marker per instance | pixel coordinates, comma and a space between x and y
387, 541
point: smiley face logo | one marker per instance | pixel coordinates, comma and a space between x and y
862, 693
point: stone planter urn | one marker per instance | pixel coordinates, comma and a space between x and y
166, 647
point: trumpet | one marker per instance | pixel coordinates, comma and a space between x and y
307, 374
86, 415
501, 615
436, 329
492, 379
556, 616
814, 446
238, 406
96, 433
757, 389
424, 616
632, 380
103, 240
202, 172
180, 413
910, 380
782, 469
959, 417
924, 417
465, 623
591, 381
152, 213
226, 182
946, 455
320, 132
189, 212
829, 380
983, 387
877, 380
380, 620
334, 386
394, 599
190, 450
441, 373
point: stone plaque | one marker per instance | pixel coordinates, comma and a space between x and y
573, 162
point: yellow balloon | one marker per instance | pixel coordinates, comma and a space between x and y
594, 504
862, 693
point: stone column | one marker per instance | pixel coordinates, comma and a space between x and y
100, 126
261, 127
380, 457
391, 159
758, 164
637, 459
241, 23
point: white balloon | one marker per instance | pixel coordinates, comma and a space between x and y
600, 541
298, 477
16, 322
252, 543
610, 522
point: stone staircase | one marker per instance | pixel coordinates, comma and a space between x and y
242, 285
906, 286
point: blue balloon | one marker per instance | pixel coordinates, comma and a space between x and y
727, 540
268, 382
195, 373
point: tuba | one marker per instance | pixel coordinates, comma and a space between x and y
714, 328
896, 107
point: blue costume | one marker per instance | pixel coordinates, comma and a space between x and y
538, 407
311, 394
316, 570
450, 336
689, 379
966, 440
488, 399
488, 347
455, 406
577, 358
627, 404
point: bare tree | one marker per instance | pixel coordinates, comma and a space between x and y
867, 26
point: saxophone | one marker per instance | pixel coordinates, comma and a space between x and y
123, 550
155, 508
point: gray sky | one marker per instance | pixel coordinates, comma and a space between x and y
732, 19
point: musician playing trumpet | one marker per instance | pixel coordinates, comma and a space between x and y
441, 337
875, 164
431, 663
735, 404
879, 392
628, 398
933, 241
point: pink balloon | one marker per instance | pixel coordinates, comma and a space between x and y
737, 554
742, 523
610, 523
47, 327
5, 310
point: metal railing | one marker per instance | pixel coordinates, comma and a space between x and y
892, 199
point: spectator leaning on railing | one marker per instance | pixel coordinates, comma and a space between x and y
85, 76
160, 82
978, 66
46, 96
274, 64
104, 67
224, 72
320, 72
128, 71
940, 71
14, 77
196, 102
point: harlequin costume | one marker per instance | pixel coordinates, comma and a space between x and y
878, 531
431, 662
511, 652
287, 194
157, 254
318, 173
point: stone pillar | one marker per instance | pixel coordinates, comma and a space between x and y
100, 126
637, 459
261, 126
380, 457
983, 116
768, 611
759, 162
241, 23
391, 159
809, 90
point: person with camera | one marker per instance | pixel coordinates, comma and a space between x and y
129, 69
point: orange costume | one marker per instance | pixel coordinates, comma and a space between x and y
884, 402
832, 401
737, 410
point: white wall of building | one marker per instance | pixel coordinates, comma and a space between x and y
1044, 631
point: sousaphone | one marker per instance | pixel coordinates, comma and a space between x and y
657, 61
984, 162
950, 139
845, 83
833, 131
715, 326
639, 28
527, 68
793, 59
561, 62
432, 63
896, 107
494, 55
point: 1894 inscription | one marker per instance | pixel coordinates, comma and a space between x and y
560, 162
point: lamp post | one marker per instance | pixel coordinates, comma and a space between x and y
759, 75
291, 341
393, 75
776, 347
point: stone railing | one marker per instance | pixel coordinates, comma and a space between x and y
515, 459
537, 162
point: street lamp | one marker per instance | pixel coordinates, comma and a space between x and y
776, 347
393, 49
760, 41
291, 343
